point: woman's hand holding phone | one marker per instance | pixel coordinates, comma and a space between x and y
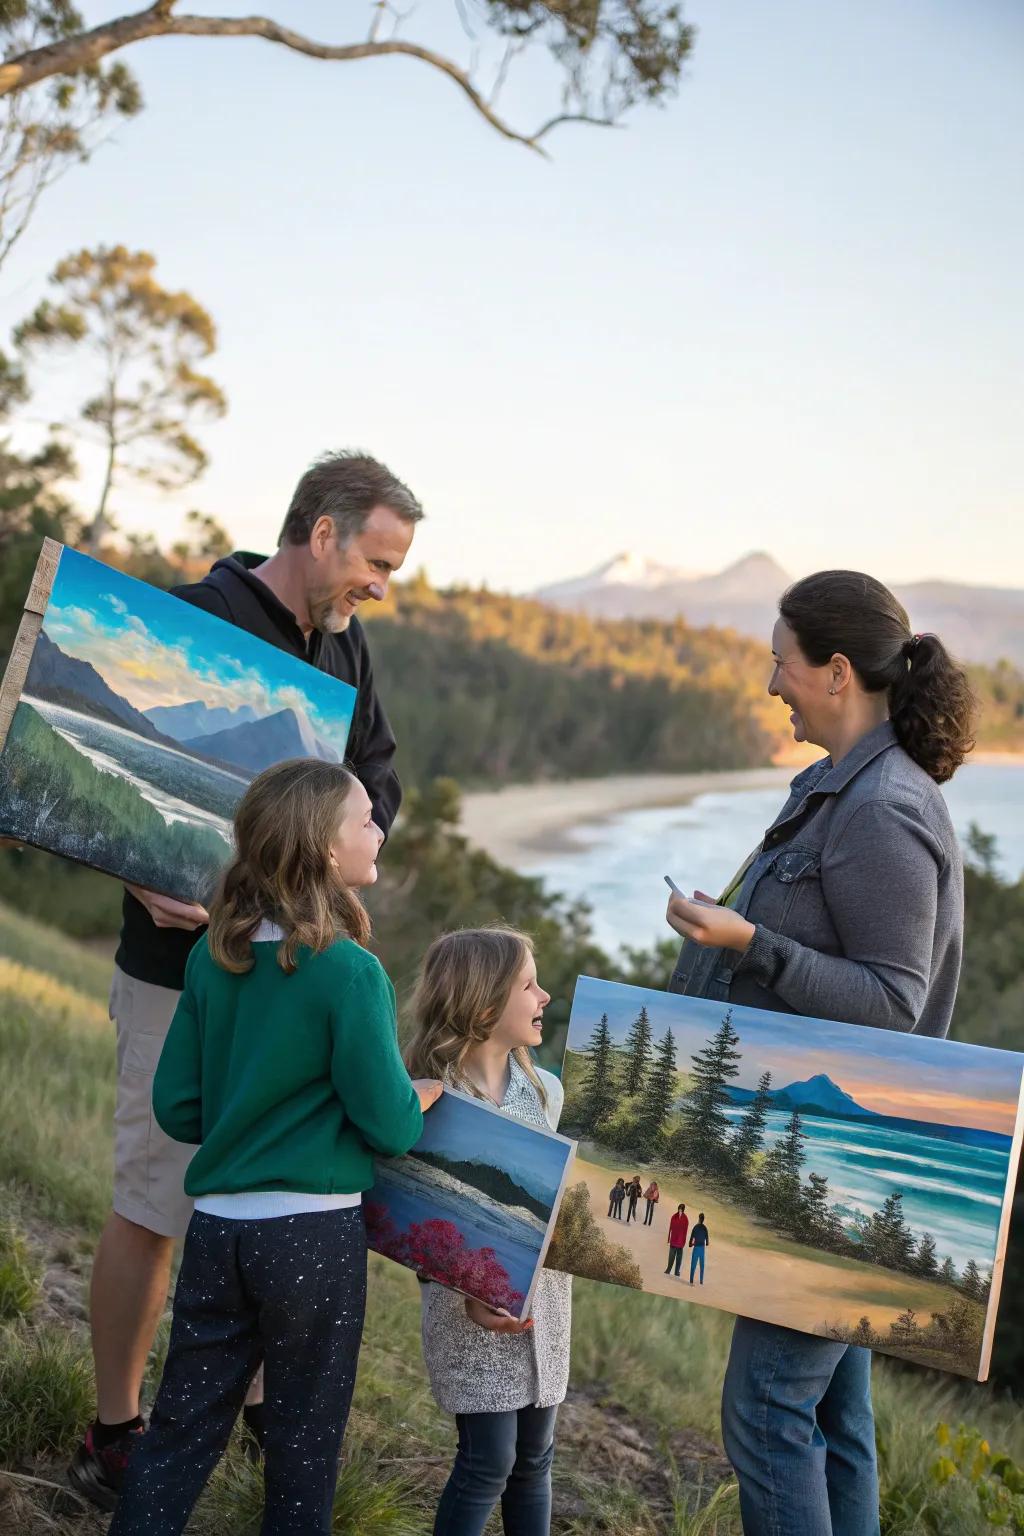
700, 918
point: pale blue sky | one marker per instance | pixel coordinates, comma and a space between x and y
783, 312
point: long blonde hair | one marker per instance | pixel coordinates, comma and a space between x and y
464, 983
284, 826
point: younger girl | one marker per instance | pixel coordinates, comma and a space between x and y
478, 1008
282, 1062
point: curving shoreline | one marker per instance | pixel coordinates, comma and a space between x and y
519, 825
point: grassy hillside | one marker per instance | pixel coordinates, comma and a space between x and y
639, 1436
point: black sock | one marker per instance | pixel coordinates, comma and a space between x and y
105, 1434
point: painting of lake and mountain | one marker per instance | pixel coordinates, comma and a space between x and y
472, 1206
139, 724
844, 1181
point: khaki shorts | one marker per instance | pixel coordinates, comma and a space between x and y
149, 1168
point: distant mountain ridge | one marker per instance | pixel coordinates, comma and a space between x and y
58, 678
979, 624
186, 721
258, 744
819, 1095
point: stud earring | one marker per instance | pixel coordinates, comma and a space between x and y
832, 690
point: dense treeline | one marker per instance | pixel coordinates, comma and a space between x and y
519, 691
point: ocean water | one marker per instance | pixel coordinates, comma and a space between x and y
950, 1189
617, 864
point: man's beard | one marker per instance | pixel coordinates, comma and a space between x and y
326, 619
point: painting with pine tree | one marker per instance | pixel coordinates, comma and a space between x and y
844, 1181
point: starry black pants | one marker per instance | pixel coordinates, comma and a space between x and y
291, 1292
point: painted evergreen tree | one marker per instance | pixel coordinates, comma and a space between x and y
887, 1238
749, 1138
597, 1094
779, 1193
659, 1092
638, 1053
948, 1274
925, 1261
820, 1219
971, 1284
705, 1121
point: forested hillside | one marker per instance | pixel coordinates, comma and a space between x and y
520, 691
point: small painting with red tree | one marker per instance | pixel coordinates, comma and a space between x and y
437, 1250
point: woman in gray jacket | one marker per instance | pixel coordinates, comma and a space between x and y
851, 908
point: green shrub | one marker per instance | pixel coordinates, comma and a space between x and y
578, 1242
46, 1392
19, 1276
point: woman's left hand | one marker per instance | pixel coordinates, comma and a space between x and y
707, 923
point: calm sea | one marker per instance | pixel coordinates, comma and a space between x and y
618, 864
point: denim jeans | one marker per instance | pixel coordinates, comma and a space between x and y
697, 1257
799, 1430
649, 1213
289, 1291
504, 1456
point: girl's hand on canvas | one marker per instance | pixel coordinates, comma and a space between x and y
168, 913
708, 924
429, 1090
495, 1319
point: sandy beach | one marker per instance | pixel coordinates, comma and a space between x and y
793, 1285
522, 823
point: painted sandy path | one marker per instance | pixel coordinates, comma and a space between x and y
746, 1261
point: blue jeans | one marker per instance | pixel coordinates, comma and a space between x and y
504, 1456
697, 1256
799, 1430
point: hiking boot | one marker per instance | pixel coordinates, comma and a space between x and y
97, 1473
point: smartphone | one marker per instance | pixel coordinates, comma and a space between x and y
676, 891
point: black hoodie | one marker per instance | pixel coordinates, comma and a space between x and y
232, 592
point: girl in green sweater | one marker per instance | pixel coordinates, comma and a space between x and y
282, 1063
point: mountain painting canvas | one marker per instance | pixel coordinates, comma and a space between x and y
473, 1205
839, 1180
131, 723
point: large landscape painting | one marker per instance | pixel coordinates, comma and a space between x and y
850, 1182
474, 1203
139, 722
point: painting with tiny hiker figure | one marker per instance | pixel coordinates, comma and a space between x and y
844, 1181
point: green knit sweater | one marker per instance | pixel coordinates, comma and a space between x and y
286, 1082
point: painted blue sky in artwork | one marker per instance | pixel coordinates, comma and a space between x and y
154, 649
912, 1076
470, 1132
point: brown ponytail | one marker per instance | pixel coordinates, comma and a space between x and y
931, 703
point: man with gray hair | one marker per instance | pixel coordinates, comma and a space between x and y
348, 529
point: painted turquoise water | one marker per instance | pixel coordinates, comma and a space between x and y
952, 1190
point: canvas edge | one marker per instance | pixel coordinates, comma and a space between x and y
999, 1262
550, 1231
33, 612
